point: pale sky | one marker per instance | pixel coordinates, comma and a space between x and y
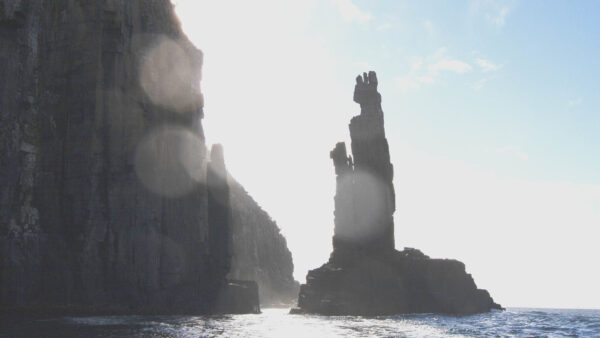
492, 117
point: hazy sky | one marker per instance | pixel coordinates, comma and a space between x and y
492, 116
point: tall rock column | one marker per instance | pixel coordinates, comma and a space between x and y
345, 232
219, 215
103, 166
365, 275
365, 199
228, 296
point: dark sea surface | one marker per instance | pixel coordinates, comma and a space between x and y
278, 323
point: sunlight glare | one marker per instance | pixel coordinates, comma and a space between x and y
169, 161
170, 76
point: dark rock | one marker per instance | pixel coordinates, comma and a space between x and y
12, 13
238, 296
108, 200
219, 215
365, 200
260, 252
365, 275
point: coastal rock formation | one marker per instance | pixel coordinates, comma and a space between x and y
219, 215
260, 251
365, 200
365, 275
109, 199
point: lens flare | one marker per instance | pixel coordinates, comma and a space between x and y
368, 206
169, 161
170, 76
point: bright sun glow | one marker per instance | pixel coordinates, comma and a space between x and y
278, 98
274, 101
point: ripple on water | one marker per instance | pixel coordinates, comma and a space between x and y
278, 323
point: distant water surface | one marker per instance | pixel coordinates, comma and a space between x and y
278, 323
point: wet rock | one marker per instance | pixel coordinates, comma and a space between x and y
365, 275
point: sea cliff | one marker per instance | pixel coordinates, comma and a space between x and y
109, 198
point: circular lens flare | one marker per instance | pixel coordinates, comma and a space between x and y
170, 76
169, 161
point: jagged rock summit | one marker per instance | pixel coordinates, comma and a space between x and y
365, 275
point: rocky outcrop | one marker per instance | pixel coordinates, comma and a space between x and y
260, 251
365, 275
219, 215
108, 197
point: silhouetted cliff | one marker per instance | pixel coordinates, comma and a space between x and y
260, 251
108, 198
365, 275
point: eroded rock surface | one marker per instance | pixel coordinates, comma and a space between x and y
104, 174
365, 275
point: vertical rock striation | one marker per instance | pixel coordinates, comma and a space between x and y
108, 200
365, 192
365, 275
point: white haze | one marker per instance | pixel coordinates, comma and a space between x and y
277, 101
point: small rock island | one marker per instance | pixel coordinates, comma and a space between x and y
365, 274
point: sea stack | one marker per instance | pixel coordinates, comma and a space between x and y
365, 275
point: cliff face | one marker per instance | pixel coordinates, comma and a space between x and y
260, 252
106, 196
365, 275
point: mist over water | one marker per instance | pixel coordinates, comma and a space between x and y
278, 323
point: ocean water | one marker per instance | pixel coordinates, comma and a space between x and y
278, 323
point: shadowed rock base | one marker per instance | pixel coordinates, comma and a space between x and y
231, 297
239, 296
397, 283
